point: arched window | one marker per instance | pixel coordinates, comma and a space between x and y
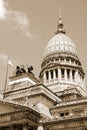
56, 73
67, 60
51, 72
47, 75
62, 73
68, 73
73, 74
62, 59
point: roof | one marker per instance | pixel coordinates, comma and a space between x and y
60, 43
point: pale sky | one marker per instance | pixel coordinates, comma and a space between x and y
26, 26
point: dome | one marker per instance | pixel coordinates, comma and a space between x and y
60, 43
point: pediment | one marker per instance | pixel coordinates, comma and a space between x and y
6, 107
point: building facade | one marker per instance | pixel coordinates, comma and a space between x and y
55, 101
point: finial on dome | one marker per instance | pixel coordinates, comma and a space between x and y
60, 25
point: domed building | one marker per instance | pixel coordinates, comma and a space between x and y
61, 67
55, 101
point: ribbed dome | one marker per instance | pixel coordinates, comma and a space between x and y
60, 43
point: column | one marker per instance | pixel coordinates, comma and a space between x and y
54, 75
44, 77
70, 75
79, 78
59, 74
70, 62
49, 76
76, 76
65, 74
25, 127
40, 126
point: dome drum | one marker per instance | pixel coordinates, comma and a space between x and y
60, 59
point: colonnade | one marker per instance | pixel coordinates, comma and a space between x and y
62, 74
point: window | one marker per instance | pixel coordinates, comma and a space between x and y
56, 59
47, 75
68, 73
56, 73
62, 114
73, 74
62, 73
62, 59
66, 113
72, 61
51, 72
67, 60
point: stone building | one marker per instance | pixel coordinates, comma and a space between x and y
55, 101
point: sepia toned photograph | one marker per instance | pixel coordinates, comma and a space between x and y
43, 65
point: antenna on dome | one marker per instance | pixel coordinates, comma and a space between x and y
60, 16
60, 25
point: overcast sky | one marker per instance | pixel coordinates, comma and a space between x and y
26, 26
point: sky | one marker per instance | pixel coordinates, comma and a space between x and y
26, 26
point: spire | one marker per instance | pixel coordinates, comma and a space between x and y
60, 25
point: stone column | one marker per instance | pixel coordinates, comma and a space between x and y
54, 75
40, 126
71, 75
76, 76
79, 78
49, 76
25, 127
44, 77
65, 75
70, 62
59, 74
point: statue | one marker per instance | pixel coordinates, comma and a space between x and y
20, 70
30, 68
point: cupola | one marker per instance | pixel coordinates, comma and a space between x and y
61, 67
